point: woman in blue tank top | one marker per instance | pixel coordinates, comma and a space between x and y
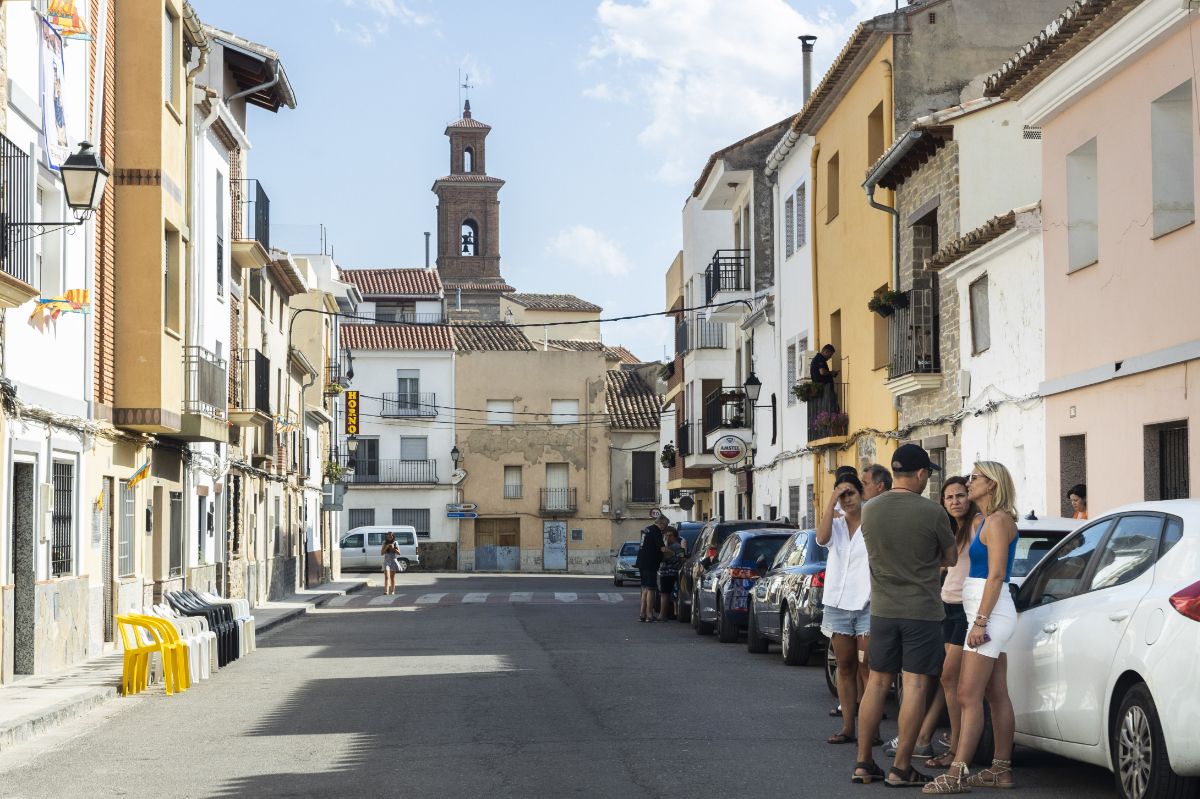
991, 618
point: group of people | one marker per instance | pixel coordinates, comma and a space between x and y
660, 555
921, 591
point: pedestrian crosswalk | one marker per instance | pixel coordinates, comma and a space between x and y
369, 599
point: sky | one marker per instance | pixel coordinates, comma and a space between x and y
603, 115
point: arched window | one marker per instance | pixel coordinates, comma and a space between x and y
468, 160
470, 237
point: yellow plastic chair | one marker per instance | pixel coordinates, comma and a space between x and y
174, 651
136, 671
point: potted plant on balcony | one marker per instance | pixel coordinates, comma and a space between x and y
667, 458
666, 371
896, 299
333, 472
808, 391
333, 389
830, 423
877, 305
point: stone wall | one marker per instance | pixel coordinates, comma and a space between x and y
438, 555
283, 577
60, 624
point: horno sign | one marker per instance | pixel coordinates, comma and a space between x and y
730, 449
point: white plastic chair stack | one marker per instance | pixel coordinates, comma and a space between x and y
202, 652
241, 614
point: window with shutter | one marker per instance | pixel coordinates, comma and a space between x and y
789, 226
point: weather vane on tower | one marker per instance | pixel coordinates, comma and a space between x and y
465, 86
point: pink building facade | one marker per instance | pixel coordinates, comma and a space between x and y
1115, 98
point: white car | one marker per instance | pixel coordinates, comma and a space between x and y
1102, 666
362, 547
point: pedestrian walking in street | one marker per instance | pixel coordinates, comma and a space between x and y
1077, 496
846, 619
391, 562
876, 479
908, 539
668, 573
649, 558
991, 618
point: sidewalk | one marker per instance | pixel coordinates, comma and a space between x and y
36, 704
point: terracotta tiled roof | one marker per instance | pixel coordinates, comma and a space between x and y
473, 285
472, 178
553, 302
489, 337
611, 353
468, 122
625, 356
860, 40
712, 159
394, 282
397, 337
968, 243
631, 403
1070, 32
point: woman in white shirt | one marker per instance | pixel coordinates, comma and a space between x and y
846, 619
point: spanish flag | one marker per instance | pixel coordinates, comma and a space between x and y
140, 475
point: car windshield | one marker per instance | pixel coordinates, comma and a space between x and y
629, 550
761, 545
1031, 548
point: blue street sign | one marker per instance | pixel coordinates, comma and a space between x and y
468, 514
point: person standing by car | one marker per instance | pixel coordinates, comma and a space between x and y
908, 540
391, 562
649, 558
1077, 496
846, 619
668, 573
992, 617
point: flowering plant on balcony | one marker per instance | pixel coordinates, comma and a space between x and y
333, 471
333, 389
807, 390
830, 423
667, 458
877, 305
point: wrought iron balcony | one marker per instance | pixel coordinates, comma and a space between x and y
253, 221
404, 404
250, 401
699, 334
558, 501
16, 251
683, 439
914, 333
391, 471
395, 316
726, 408
206, 383
729, 270
827, 416
334, 376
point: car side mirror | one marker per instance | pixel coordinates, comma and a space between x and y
761, 564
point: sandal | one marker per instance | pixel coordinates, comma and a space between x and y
949, 783
906, 779
990, 776
944, 760
841, 738
836, 712
874, 772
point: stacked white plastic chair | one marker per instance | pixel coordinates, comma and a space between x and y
241, 614
194, 632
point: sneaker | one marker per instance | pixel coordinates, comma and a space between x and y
889, 749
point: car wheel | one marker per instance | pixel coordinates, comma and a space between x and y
701, 627
755, 643
788, 646
830, 668
1139, 752
726, 630
403, 565
618, 583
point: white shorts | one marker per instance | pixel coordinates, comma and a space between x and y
1001, 622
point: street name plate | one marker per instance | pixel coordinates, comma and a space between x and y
464, 514
455, 507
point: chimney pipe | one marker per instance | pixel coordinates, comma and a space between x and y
806, 42
426, 249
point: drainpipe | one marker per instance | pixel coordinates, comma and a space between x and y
273, 65
895, 279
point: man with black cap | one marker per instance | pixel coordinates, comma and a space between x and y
908, 540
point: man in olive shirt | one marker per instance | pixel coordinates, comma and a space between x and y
908, 540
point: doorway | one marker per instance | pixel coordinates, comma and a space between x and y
554, 546
21, 511
498, 545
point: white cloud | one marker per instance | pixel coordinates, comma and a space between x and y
589, 249
480, 74
380, 13
710, 72
605, 92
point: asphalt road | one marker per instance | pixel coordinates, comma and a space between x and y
497, 686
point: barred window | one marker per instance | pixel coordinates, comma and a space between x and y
801, 217
176, 531
791, 374
62, 560
794, 504
789, 226
416, 517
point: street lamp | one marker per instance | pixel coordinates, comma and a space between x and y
753, 387
83, 176
352, 450
455, 456
350, 366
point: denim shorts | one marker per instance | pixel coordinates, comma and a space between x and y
835, 621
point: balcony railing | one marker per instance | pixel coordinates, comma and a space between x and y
513, 491
729, 270
391, 471
641, 493
392, 317
254, 219
699, 334
827, 415
206, 383
683, 439
726, 407
254, 382
334, 376
403, 404
15, 250
914, 334
558, 500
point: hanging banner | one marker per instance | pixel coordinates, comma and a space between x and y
54, 119
46, 310
64, 16
351, 413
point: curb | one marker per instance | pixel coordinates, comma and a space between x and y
294, 613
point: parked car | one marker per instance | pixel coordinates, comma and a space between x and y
1102, 664
721, 598
709, 542
785, 605
361, 547
625, 563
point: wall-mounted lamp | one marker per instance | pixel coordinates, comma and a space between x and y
455, 456
84, 177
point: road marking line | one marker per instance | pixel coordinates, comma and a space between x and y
339, 601
520, 596
429, 599
396, 598
611, 598
474, 598
565, 597
382, 599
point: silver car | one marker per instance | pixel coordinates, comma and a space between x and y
625, 563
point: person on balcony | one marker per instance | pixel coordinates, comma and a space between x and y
820, 373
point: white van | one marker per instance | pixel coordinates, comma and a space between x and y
361, 547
